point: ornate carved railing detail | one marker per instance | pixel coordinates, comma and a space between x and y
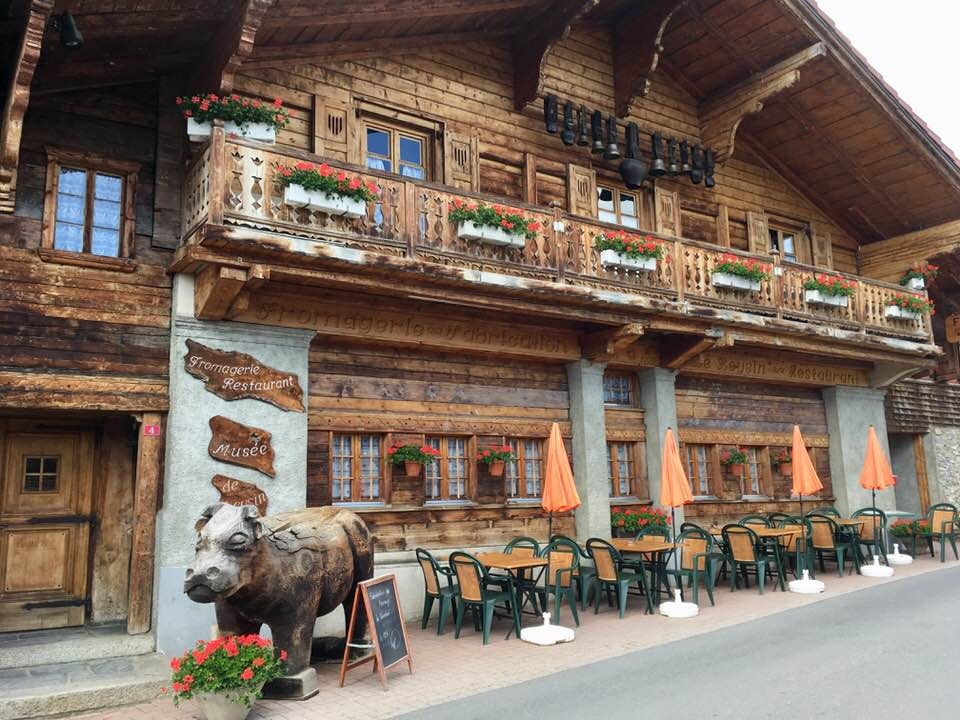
234, 182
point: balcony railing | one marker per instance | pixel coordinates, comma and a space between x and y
233, 182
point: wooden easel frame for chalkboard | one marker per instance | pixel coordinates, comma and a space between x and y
363, 597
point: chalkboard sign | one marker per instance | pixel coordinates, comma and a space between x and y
381, 604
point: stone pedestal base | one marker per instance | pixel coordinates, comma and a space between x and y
301, 686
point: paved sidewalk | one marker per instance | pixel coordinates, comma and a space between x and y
446, 669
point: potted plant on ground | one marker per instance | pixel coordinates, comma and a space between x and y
323, 188
495, 457
828, 290
620, 249
412, 457
783, 461
733, 460
627, 522
919, 274
903, 528
492, 224
907, 307
739, 273
225, 675
248, 118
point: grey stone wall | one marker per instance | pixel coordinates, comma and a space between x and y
945, 444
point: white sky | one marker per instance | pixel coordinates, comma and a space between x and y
914, 45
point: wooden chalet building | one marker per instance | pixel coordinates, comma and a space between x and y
121, 241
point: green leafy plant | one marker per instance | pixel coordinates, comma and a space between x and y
632, 246
830, 285
920, 270
737, 456
235, 666
242, 111
781, 458
495, 453
913, 304
743, 267
902, 528
326, 179
633, 520
496, 216
400, 454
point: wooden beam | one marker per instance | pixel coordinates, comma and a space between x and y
602, 345
232, 44
388, 11
146, 493
18, 98
676, 353
637, 50
215, 290
722, 113
886, 374
531, 49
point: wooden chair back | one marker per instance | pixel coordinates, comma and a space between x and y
741, 542
940, 514
789, 542
561, 557
690, 547
823, 532
428, 565
605, 559
469, 573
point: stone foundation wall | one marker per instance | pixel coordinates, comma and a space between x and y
946, 450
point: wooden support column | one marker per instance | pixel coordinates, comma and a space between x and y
146, 493
231, 45
18, 98
529, 178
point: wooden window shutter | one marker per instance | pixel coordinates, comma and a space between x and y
333, 122
460, 166
581, 191
667, 210
822, 245
758, 233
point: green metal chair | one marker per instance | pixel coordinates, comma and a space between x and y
744, 552
798, 544
435, 590
611, 575
775, 518
872, 532
526, 546
474, 584
698, 561
827, 540
940, 525
563, 558
825, 510
754, 521
654, 564
583, 573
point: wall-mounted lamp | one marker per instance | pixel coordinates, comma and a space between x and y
64, 24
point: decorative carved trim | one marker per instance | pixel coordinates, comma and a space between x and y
438, 425
708, 436
741, 366
97, 262
232, 44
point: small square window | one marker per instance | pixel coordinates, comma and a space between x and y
617, 389
41, 474
618, 207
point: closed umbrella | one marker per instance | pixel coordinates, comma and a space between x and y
559, 490
674, 488
875, 475
805, 482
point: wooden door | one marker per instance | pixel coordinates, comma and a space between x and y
45, 499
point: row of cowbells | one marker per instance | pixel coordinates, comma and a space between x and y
673, 158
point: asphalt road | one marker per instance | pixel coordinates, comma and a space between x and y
886, 652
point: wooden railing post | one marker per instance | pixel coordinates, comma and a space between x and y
409, 221
778, 284
862, 305
558, 230
680, 270
218, 185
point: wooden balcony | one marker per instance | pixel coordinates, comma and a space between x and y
232, 184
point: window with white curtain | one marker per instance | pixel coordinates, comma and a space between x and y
524, 476
356, 468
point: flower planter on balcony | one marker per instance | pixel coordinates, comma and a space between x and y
818, 297
199, 131
612, 258
299, 197
916, 283
489, 235
735, 282
895, 311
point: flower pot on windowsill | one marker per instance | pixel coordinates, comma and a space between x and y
734, 282
198, 131
895, 311
916, 283
612, 258
818, 297
298, 196
487, 235
496, 468
786, 469
735, 469
412, 468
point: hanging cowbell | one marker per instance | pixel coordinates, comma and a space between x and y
633, 170
684, 158
657, 166
596, 130
673, 167
708, 168
568, 136
582, 137
612, 150
550, 113
696, 171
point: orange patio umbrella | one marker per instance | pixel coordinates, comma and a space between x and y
559, 490
876, 473
674, 488
805, 478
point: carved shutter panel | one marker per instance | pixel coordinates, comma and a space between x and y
667, 210
460, 166
822, 247
332, 127
758, 235
581, 191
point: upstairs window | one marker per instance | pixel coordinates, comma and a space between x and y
790, 239
618, 207
617, 389
397, 150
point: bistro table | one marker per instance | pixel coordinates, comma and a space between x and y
649, 546
515, 565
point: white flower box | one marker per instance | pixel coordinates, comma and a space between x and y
299, 197
489, 235
895, 311
916, 283
613, 258
818, 297
199, 131
727, 280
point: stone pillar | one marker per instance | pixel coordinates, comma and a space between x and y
189, 468
585, 386
659, 402
850, 413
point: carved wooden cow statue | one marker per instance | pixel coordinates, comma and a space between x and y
282, 570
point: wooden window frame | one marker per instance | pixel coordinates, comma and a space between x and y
394, 121
617, 192
470, 483
356, 481
521, 469
802, 238
613, 476
714, 472
92, 164
631, 389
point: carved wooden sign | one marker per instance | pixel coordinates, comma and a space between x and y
241, 445
952, 324
744, 366
238, 492
235, 375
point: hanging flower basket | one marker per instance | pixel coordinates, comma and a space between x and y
786, 469
916, 283
919, 274
412, 457
412, 468
496, 468
496, 457
735, 468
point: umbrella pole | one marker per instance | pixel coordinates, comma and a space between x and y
549, 526
876, 540
802, 556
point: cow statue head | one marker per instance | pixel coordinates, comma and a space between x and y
222, 564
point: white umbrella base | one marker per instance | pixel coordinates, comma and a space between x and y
807, 586
547, 634
876, 570
899, 559
676, 608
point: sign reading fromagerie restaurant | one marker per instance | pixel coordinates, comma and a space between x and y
235, 375
242, 445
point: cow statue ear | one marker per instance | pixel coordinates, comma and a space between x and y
257, 530
250, 512
208, 512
